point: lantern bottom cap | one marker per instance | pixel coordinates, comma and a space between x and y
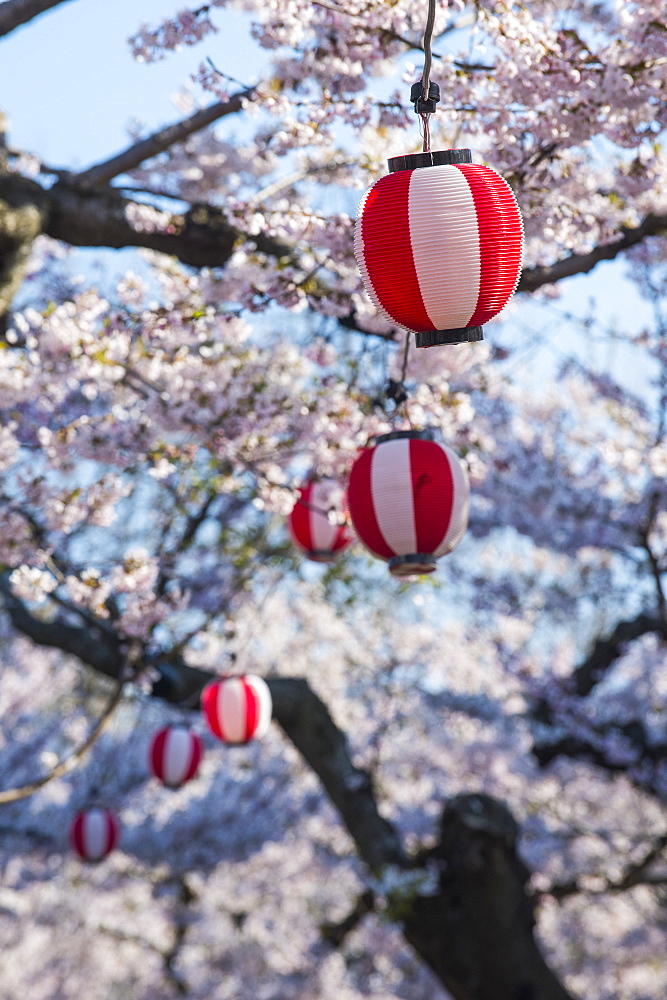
321, 555
412, 565
433, 338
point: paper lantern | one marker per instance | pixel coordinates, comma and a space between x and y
409, 499
439, 243
237, 709
94, 833
174, 755
311, 530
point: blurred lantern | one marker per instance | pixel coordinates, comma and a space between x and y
94, 833
237, 709
409, 499
316, 523
439, 242
175, 755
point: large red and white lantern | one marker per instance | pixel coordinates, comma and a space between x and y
94, 833
174, 755
237, 709
316, 523
439, 243
409, 500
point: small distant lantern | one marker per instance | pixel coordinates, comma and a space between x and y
174, 755
237, 709
409, 499
439, 243
316, 523
94, 833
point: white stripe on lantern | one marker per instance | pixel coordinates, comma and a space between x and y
232, 710
177, 756
323, 533
458, 521
261, 689
95, 834
391, 490
445, 244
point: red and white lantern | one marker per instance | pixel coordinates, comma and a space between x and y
94, 833
409, 499
174, 755
439, 243
316, 523
237, 709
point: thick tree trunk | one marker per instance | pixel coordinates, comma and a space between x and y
477, 932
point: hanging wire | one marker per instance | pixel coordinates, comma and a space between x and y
428, 35
426, 133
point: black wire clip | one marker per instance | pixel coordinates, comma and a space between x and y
423, 107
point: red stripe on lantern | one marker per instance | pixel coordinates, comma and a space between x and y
500, 239
299, 520
362, 510
386, 251
433, 493
309, 525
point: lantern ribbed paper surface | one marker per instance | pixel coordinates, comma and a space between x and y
94, 833
237, 709
439, 248
320, 538
175, 755
409, 499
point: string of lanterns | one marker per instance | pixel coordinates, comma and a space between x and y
235, 709
439, 244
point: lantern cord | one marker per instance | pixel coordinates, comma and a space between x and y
428, 35
426, 146
406, 352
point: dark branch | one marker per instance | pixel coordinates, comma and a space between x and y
638, 873
98, 647
605, 652
536, 277
157, 143
14, 13
201, 237
335, 933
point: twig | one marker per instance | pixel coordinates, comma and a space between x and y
68, 763
134, 155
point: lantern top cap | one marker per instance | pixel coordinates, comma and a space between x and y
436, 158
397, 435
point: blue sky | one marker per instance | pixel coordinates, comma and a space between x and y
70, 85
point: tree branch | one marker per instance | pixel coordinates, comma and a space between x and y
69, 762
14, 13
200, 237
157, 143
536, 277
635, 874
606, 651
